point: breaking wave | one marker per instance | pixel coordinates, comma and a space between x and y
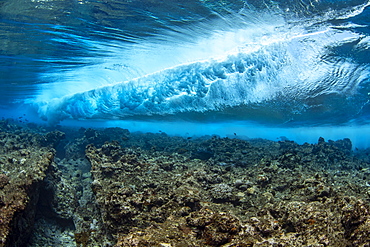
311, 68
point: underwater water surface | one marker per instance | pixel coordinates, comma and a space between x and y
271, 69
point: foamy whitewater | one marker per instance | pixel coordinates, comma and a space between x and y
290, 68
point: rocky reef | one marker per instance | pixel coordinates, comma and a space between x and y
247, 193
25, 159
110, 187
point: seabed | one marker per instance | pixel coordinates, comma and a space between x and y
111, 187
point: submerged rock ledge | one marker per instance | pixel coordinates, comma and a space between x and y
24, 163
110, 187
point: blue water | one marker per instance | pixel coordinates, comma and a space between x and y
298, 69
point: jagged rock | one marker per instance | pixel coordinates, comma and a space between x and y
24, 166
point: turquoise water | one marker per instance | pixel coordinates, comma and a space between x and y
271, 69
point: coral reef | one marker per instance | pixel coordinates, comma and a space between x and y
23, 166
110, 187
286, 194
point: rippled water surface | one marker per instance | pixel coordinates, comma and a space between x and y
286, 64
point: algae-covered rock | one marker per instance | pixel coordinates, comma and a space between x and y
23, 166
151, 189
287, 197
